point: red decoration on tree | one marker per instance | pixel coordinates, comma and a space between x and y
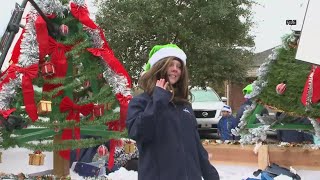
86, 84
28, 73
37, 152
64, 29
67, 105
82, 14
281, 88
56, 126
312, 87
6, 113
100, 76
48, 69
102, 150
98, 110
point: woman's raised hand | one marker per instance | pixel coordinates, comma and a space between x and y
162, 84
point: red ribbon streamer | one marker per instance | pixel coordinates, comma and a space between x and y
315, 87
42, 37
6, 113
113, 144
27, 88
82, 14
74, 110
111, 155
112, 61
120, 125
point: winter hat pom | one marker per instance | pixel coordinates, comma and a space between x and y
159, 52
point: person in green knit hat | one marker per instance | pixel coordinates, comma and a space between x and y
163, 124
247, 102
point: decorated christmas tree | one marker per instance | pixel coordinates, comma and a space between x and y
63, 82
288, 87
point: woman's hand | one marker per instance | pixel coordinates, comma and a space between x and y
162, 84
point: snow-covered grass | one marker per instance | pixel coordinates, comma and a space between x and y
16, 160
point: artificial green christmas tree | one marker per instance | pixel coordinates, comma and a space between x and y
65, 81
286, 86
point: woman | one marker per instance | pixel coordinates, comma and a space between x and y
162, 122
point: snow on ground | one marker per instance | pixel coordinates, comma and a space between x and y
16, 160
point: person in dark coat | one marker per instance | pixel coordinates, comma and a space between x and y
247, 102
163, 124
226, 123
294, 136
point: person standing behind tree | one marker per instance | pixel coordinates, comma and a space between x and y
226, 123
163, 124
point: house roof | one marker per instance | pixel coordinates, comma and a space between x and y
261, 57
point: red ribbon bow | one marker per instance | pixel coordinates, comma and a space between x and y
82, 14
6, 113
27, 88
74, 110
58, 58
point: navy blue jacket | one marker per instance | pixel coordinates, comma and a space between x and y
167, 139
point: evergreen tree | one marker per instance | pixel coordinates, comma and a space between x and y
214, 34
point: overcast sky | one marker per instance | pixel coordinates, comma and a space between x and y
270, 17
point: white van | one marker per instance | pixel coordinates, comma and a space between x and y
207, 107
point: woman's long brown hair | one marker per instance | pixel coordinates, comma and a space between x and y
180, 89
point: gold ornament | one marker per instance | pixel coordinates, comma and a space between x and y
109, 106
44, 107
36, 159
129, 147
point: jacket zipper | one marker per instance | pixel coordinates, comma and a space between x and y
180, 134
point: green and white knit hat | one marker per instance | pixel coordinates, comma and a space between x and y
159, 52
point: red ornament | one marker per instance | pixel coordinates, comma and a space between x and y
98, 110
48, 69
102, 150
100, 76
281, 88
37, 152
64, 29
56, 126
86, 84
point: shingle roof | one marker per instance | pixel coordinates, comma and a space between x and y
261, 57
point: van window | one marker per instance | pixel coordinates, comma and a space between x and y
200, 95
